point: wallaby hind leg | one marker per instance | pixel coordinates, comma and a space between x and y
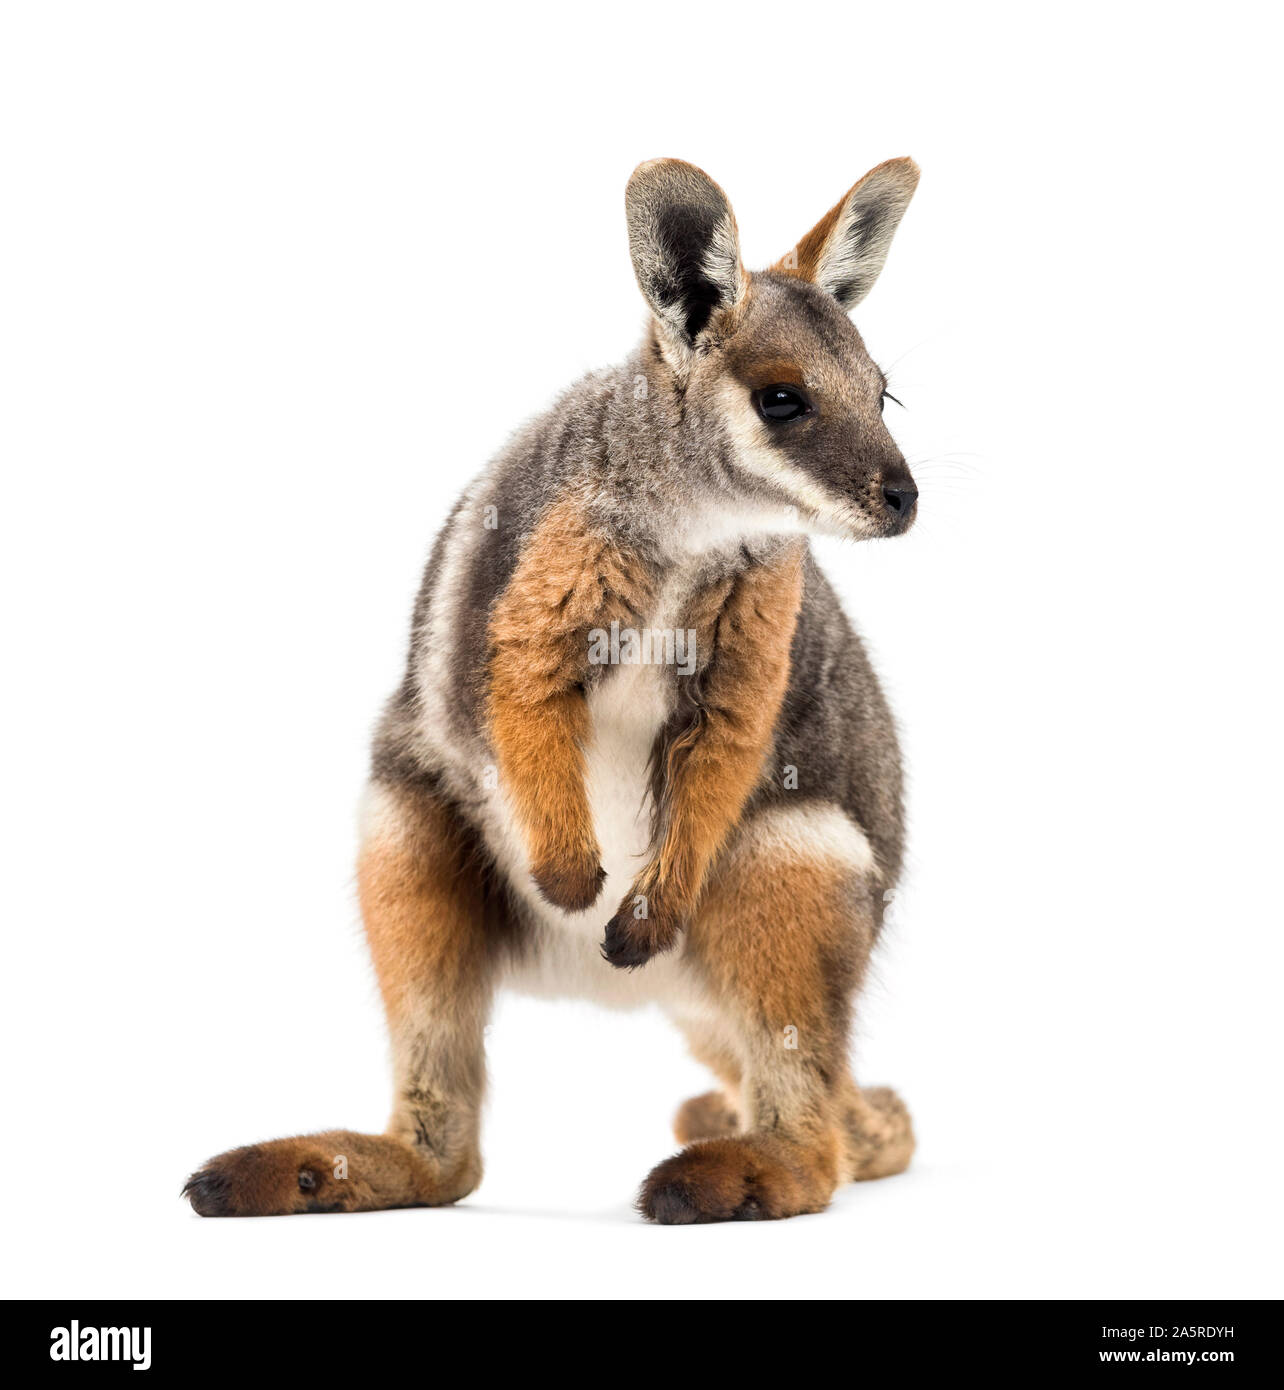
429, 915
780, 944
716, 1113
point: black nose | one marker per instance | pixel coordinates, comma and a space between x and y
901, 500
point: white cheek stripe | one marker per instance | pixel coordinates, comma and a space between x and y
768, 463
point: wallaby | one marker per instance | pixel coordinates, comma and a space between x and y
639, 755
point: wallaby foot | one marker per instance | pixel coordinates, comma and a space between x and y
751, 1177
710, 1116
879, 1138
333, 1171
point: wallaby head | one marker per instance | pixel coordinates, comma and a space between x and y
769, 361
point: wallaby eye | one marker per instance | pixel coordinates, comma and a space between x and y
778, 403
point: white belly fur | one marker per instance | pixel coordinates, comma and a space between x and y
626, 711
626, 708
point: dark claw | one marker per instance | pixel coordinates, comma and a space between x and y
623, 946
208, 1193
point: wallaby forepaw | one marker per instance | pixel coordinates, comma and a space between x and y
572, 885
630, 941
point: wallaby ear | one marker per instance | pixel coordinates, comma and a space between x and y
845, 250
684, 244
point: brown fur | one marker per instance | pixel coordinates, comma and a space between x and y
430, 915
753, 1177
426, 901
709, 1045
711, 765
656, 476
783, 940
880, 1137
290, 1176
709, 1116
804, 260
757, 372
569, 580
422, 901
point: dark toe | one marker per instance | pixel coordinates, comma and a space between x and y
208, 1193
623, 946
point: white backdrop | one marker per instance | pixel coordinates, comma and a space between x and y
277, 279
